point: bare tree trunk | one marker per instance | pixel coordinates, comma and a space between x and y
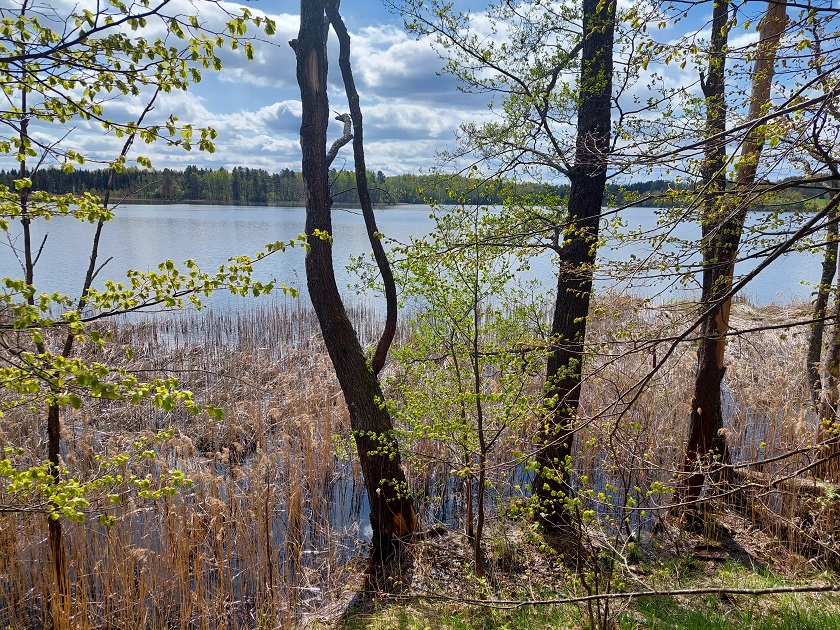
829, 398
823, 384
61, 601
577, 258
392, 512
706, 413
824, 290
483, 447
360, 168
723, 224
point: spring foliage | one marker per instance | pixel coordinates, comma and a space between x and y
59, 70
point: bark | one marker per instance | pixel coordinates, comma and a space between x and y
392, 512
483, 446
823, 384
723, 224
577, 258
828, 401
61, 604
815, 340
360, 167
61, 601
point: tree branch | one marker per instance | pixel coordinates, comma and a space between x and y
375, 237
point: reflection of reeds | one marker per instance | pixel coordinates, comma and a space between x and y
265, 531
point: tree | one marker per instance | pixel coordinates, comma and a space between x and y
392, 511
57, 69
706, 406
724, 214
588, 176
819, 156
539, 104
466, 374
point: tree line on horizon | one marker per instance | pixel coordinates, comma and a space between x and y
243, 185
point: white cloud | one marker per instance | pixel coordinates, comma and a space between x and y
410, 112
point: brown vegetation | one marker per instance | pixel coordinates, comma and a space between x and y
276, 512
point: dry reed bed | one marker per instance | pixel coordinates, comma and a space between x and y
265, 532
635, 436
272, 515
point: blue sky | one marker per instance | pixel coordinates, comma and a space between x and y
410, 112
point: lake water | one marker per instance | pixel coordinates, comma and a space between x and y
141, 236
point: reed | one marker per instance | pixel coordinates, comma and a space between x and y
277, 506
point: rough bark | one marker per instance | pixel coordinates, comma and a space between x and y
392, 512
829, 394
823, 384
723, 224
360, 167
815, 339
577, 258
61, 600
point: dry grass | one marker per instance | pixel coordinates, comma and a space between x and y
271, 519
277, 511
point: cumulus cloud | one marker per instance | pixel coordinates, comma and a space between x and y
410, 112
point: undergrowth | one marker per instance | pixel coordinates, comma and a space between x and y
662, 612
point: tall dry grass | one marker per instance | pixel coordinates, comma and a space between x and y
266, 530
277, 509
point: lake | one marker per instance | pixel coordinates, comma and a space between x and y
141, 236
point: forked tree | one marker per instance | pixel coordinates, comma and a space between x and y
392, 512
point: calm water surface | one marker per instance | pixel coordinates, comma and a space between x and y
141, 236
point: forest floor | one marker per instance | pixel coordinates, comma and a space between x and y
529, 576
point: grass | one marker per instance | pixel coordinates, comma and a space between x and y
656, 615
423, 616
713, 613
701, 612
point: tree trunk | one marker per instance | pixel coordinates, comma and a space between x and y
828, 429
824, 290
61, 599
374, 236
823, 382
61, 604
723, 224
392, 512
577, 258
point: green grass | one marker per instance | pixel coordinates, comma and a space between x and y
661, 613
422, 616
784, 611
711, 613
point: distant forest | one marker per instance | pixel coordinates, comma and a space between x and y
259, 187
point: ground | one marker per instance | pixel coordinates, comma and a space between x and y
437, 587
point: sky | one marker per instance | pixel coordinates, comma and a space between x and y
410, 111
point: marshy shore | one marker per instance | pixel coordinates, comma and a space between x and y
274, 525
